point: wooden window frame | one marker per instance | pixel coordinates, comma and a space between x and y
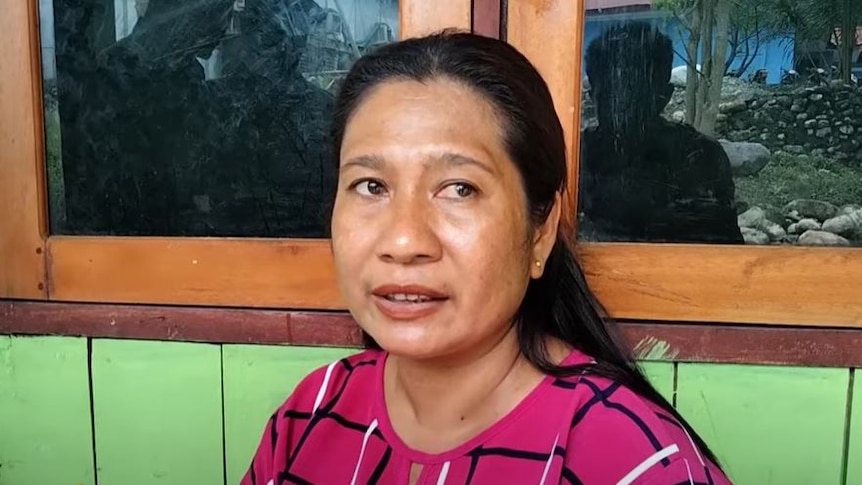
664, 282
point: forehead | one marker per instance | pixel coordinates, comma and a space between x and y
435, 111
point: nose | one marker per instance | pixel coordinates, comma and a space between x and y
408, 235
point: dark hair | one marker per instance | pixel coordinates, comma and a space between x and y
559, 304
640, 46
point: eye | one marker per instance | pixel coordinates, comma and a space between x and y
458, 190
368, 187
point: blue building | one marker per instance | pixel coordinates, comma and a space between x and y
773, 54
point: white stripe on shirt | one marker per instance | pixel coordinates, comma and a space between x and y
368, 432
444, 472
550, 459
648, 463
322, 391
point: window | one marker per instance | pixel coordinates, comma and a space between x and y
113, 251
201, 118
722, 123
652, 276
643, 277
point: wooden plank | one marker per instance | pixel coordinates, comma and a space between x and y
194, 271
854, 450
257, 379
158, 413
667, 342
550, 34
186, 324
486, 17
44, 411
732, 284
745, 344
768, 424
660, 375
421, 17
22, 198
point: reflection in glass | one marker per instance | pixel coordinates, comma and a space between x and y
737, 124
197, 117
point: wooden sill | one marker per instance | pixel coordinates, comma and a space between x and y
733, 284
193, 271
656, 282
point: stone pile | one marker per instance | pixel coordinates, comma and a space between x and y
803, 222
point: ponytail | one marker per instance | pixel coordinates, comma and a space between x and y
560, 305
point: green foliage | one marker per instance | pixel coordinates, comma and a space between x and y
790, 177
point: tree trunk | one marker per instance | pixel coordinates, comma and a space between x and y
691, 74
707, 24
716, 75
848, 39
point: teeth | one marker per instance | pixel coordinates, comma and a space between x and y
406, 297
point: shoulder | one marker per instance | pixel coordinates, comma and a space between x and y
340, 392
320, 386
618, 436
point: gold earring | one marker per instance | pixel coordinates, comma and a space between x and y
538, 264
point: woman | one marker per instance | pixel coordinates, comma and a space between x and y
488, 360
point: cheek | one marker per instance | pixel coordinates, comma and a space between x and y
494, 250
349, 242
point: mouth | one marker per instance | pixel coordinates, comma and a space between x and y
408, 302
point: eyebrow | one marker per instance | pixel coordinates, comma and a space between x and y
451, 159
373, 162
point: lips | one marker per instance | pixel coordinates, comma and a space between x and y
408, 302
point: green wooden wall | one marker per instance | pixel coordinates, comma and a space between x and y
145, 413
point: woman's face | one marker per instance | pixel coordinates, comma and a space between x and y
430, 232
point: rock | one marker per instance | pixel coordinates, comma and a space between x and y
846, 130
746, 158
847, 225
679, 74
818, 152
823, 132
753, 217
807, 208
753, 236
847, 209
757, 218
793, 215
774, 231
803, 226
794, 149
734, 106
816, 97
678, 116
822, 238
791, 239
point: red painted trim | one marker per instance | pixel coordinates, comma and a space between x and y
746, 344
486, 17
715, 343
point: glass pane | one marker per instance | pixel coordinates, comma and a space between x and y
722, 122
197, 117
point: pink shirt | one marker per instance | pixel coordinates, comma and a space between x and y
334, 429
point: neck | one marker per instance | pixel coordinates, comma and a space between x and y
448, 392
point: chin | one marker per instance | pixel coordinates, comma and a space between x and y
411, 347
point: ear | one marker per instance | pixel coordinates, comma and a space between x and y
544, 238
